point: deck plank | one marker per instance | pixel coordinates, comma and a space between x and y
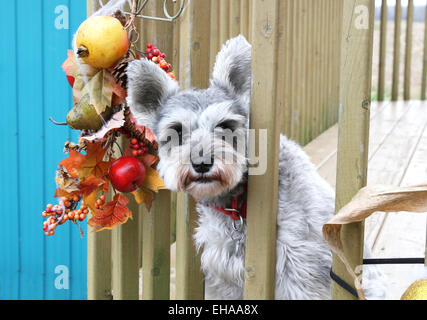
391, 159
398, 149
403, 234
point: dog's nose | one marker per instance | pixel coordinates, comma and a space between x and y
202, 167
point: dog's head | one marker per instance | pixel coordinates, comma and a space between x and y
201, 133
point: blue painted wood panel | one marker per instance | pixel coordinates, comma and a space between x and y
33, 88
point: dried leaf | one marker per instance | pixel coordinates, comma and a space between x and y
112, 214
90, 184
94, 163
65, 181
73, 163
90, 199
145, 196
116, 121
367, 201
100, 91
152, 180
75, 68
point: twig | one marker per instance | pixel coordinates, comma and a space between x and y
58, 123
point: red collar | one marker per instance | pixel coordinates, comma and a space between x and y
234, 212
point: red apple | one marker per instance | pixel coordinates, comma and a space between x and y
127, 174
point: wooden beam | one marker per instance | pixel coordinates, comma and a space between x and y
396, 51
189, 278
194, 72
124, 251
156, 249
98, 244
260, 267
125, 264
408, 50
156, 224
353, 141
383, 46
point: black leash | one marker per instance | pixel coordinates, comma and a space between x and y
353, 291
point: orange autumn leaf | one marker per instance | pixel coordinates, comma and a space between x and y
62, 193
145, 196
90, 184
73, 163
80, 166
152, 180
152, 184
94, 163
90, 199
112, 214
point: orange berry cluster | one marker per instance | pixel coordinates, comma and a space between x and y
138, 147
60, 213
154, 54
100, 202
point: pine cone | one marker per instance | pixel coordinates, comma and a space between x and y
119, 15
119, 72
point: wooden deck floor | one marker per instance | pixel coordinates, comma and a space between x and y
397, 156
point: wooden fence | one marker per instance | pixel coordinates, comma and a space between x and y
298, 49
408, 77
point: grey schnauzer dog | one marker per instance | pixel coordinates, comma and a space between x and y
198, 157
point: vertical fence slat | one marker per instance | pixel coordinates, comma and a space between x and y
156, 249
244, 18
214, 32
383, 47
194, 66
396, 52
99, 244
156, 224
189, 278
125, 247
408, 50
224, 20
125, 257
234, 18
424, 74
353, 140
261, 228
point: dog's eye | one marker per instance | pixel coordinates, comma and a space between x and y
178, 129
228, 124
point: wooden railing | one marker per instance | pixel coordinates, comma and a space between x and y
297, 67
408, 59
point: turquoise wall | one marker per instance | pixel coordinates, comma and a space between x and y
33, 88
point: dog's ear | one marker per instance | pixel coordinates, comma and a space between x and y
232, 70
148, 87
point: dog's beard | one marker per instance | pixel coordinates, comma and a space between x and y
227, 171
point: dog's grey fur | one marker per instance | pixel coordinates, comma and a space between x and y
306, 201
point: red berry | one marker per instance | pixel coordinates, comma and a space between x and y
150, 56
156, 52
127, 174
149, 45
134, 141
162, 55
135, 153
139, 152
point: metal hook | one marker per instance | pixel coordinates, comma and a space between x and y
242, 223
141, 6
